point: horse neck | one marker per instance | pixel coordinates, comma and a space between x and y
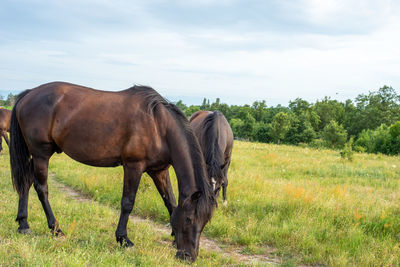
187, 161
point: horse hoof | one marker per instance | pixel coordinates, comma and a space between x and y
225, 203
125, 242
25, 231
57, 233
128, 244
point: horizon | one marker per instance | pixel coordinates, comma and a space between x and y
197, 101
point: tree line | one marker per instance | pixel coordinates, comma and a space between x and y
371, 121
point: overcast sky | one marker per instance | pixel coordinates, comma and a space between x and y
240, 51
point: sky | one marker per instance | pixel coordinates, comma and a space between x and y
239, 51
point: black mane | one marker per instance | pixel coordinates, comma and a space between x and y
212, 154
207, 201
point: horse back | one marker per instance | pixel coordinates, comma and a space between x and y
94, 127
223, 131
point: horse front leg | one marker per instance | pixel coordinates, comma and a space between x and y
40, 165
132, 175
163, 183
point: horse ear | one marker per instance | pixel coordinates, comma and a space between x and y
196, 195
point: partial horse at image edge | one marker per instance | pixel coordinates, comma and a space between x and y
5, 117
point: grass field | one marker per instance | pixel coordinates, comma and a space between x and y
90, 235
310, 205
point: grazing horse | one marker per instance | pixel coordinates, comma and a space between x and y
216, 140
135, 128
5, 116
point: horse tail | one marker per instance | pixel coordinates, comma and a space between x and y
212, 154
20, 157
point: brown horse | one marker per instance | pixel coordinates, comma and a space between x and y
135, 128
5, 116
216, 140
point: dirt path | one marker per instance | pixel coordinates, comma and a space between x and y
205, 243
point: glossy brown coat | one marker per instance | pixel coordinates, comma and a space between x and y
135, 128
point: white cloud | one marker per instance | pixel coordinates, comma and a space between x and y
219, 61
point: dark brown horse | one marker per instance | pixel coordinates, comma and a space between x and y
216, 140
5, 116
135, 128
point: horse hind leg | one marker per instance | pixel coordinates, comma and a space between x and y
22, 216
225, 183
224, 186
1, 141
4, 133
40, 166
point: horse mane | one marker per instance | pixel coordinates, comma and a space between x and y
151, 96
212, 154
207, 201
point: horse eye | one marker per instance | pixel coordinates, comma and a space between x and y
188, 220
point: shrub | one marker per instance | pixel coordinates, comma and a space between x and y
347, 151
317, 143
359, 149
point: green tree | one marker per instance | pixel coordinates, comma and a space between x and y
205, 105
248, 126
180, 105
394, 131
259, 111
334, 135
215, 105
10, 101
190, 110
328, 110
299, 106
374, 109
280, 125
237, 126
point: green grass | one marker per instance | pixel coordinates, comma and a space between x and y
311, 205
89, 229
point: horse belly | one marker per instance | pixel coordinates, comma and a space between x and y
93, 143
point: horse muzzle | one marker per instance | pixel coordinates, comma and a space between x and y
185, 255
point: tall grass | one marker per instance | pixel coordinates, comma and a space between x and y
310, 204
90, 235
